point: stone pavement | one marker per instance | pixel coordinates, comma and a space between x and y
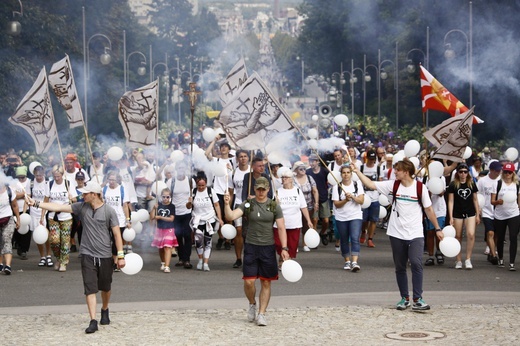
292, 320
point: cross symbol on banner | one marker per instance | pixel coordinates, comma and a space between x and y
445, 93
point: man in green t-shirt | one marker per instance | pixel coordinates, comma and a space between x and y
259, 214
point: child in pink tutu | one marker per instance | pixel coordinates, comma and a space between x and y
164, 238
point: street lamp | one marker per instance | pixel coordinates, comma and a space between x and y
449, 53
141, 71
14, 28
105, 59
303, 76
165, 81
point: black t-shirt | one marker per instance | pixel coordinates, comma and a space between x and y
463, 198
165, 211
321, 183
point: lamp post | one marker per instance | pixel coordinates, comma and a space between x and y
14, 28
141, 70
353, 80
425, 59
449, 53
302, 92
105, 59
165, 80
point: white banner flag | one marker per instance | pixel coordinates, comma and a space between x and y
254, 116
62, 82
233, 82
451, 136
34, 114
138, 114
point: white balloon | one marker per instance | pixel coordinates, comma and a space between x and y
311, 238
275, 157
397, 157
383, 200
449, 231
115, 153
137, 226
158, 186
415, 161
25, 220
341, 119
228, 231
177, 156
24, 229
199, 155
411, 148
40, 234
315, 117
450, 247
292, 271
481, 200
331, 180
336, 133
133, 216
312, 133
219, 170
208, 134
129, 234
366, 202
511, 154
33, 165
435, 186
510, 197
467, 153
435, 169
133, 265
382, 212
142, 215
312, 143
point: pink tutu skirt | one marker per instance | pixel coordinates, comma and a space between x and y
165, 237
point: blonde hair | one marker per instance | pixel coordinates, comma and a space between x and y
58, 169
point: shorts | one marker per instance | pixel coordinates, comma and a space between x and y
97, 274
323, 212
488, 224
441, 220
371, 214
463, 216
259, 262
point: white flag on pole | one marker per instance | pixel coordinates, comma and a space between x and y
233, 82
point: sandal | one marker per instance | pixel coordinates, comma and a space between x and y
429, 262
50, 263
440, 258
42, 263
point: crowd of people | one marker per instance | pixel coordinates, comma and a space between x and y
271, 205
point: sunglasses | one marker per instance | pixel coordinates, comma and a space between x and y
166, 197
462, 172
507, 172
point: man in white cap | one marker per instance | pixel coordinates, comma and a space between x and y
100, 224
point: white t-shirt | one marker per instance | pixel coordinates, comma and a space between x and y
146, 173
39, 191
5, 204
371, 172
180, 194
406, 217
506, 210
203, 206
71, 177
219, 183
58, 194
92, 173
350, 210
333, 166
291, 201
112, 198
18, 187
485, 186
238, 183
128, 182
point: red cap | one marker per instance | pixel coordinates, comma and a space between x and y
509, 167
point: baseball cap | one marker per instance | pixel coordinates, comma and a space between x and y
91, 186
371, 155
297, 165
80, 175
508, 167
462, 166
495, 166
71, 157
21, 171
262, 183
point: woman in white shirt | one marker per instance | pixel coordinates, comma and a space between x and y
205, 215
7, 226
348, 196
39, 190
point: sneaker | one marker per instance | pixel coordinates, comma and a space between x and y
403, 304
227, 245
129, 249
206, 267
458, 265
1, 267
166, 269
440, 258
362, 238
487, 251
49, 261
338, 248
306, 249
219, 243
251, 313
493, 260
501, 263
174, 252
42, 262
188, 265
324, 239
468, 264
23, 256
370, 243
105, 319
199, 265
73, 248
179, 264
63, 268
56, 266
7, 270
429, 262
237, 264
355, 267
260, 320
162, 266
92, 327
347, 265
512, 267
420, 305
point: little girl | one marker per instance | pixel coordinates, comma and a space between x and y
164, 239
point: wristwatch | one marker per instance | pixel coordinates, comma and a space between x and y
285, 248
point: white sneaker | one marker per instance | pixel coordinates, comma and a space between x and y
251, 313
468, 264
166, 269
306, 249
260, 320
162, 266
206, 267
199, 265
487, 251
458, 265
347, 266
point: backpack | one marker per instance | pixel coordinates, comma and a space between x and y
67, 186
122, 191
419, 187
355, 189
210, 195
378, 174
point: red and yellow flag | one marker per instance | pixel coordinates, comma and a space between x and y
436, 97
